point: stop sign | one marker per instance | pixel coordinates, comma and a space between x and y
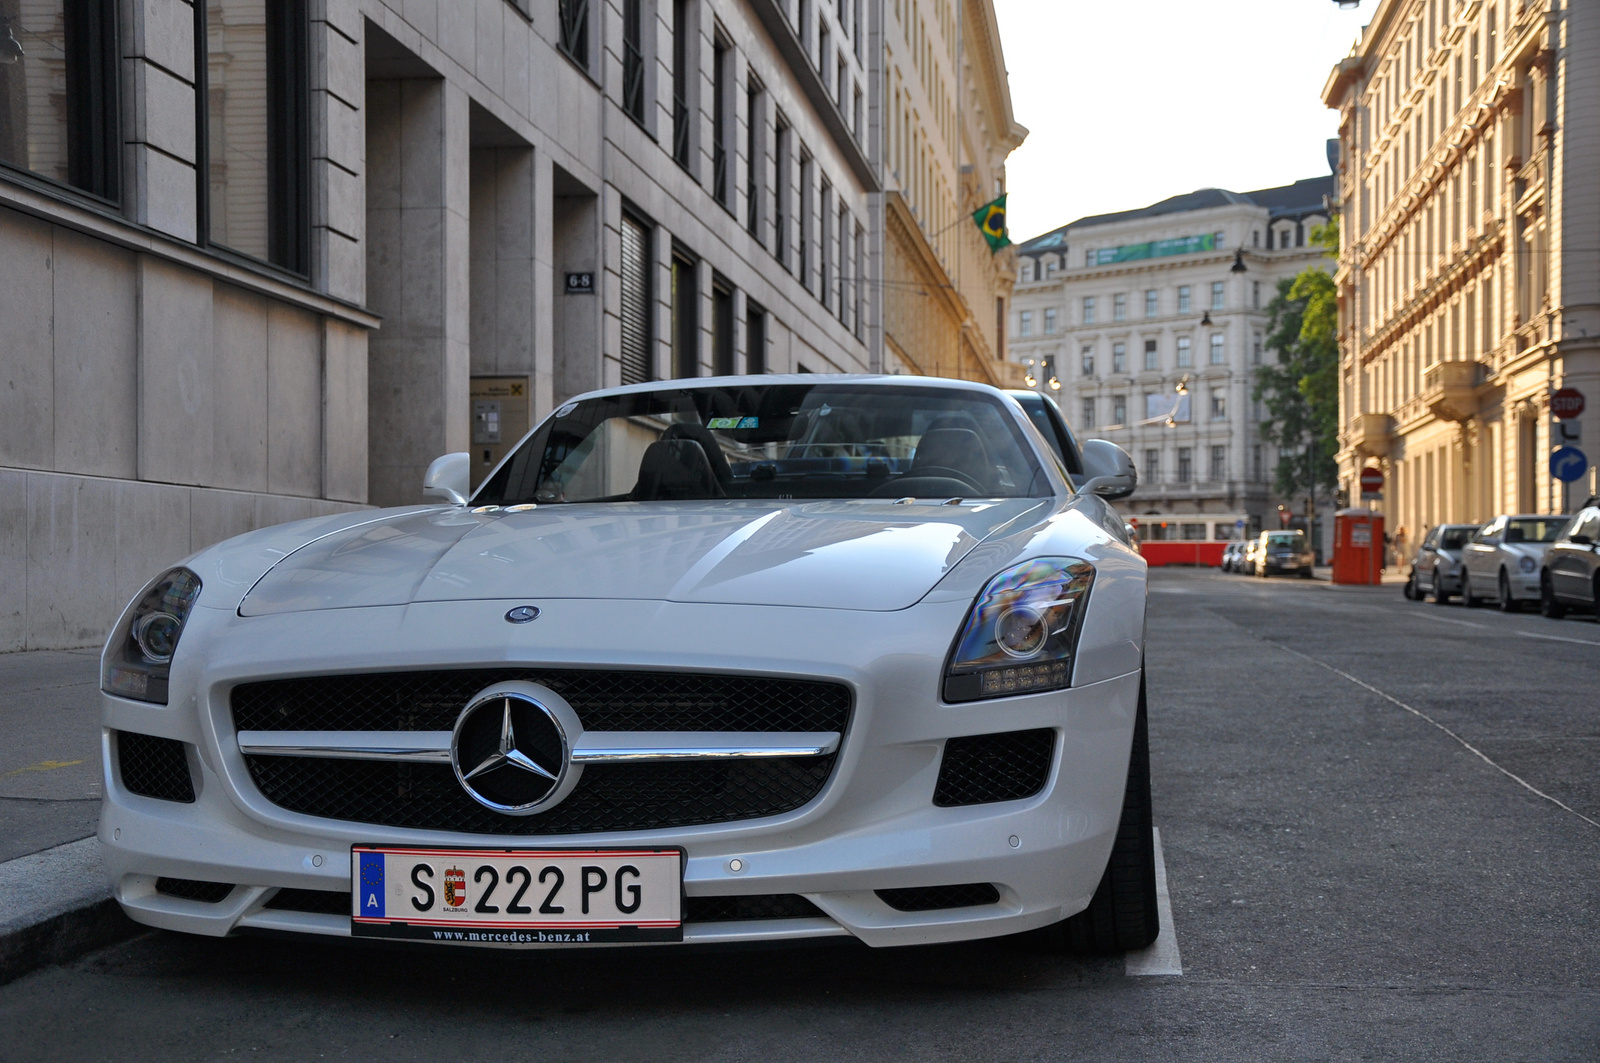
1371, 481
1568, 402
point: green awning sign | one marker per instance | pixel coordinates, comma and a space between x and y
1182, 245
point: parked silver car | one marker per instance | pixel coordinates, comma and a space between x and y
1436, 569
1502, 560
1283, 553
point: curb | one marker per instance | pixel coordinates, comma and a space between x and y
60, 908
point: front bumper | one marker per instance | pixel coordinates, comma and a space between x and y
872, 827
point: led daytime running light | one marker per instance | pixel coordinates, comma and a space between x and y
1022, 632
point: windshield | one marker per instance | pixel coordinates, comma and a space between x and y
1455, 539
1534, 529
825, 440
1286, 540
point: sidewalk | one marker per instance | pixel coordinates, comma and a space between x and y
58, 901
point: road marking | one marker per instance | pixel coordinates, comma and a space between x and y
1161, 955
1448, 620
1468, 746
43, 765
1557, 638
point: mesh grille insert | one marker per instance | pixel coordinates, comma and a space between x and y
609, 797
321, 902
757, 906
190, 889
603, 700
933, 898
154, 767
998, 767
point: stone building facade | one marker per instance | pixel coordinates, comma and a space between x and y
1114, 313
265, 259
1469, 284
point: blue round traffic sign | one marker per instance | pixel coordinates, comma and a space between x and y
1568, 463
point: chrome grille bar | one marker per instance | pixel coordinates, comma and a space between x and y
591, 747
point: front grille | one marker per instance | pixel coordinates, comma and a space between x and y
933, 898
191, 889
154, 767
998, 767
756, 906
320, 902
603, 700
609, 797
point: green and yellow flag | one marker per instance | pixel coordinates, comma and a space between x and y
991, 221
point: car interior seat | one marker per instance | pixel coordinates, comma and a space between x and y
675, 469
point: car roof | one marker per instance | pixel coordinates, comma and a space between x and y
887, 380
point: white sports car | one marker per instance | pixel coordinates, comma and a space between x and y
724, 660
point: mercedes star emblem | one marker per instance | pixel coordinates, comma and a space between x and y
523, 614
509, 752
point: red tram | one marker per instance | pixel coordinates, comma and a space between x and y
1188, 538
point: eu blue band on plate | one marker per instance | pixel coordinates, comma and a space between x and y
372, 885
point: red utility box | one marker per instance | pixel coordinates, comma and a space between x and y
1357, 546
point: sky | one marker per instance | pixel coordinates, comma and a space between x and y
1128, 102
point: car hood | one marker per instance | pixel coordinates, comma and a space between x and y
863, 554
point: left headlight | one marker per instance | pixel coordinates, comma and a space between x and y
138, 657
1527, 565
1022, 633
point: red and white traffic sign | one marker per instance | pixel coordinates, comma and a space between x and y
1371, 481
1568, 402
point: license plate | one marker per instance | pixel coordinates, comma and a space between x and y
517, 897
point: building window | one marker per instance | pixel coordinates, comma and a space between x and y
722, 121
1255, 349
637, 267
1087, 355
1255, 462
1218, 239
1119, 307
574, 15
1025, 323
1152, 465
780, 192
755, 338
1050, 267
1119, 357
1219, 404
1050, 321
685, 315
1185, 357
58, 93
722, 350
1255, 295
844, 259
859, 243
1183, 299
1088, 310
1216, 295
257, 175
824, 54
1119, 409
1152, 303
1088, 414
1219, 355
681, 80
808, 229
1152, 359
755, 124
1185, 465
1219, 464
633, 59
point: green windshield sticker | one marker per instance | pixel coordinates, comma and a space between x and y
723, 422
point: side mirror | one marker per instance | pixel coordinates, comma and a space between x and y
449, 479
1580, 539
1108, 470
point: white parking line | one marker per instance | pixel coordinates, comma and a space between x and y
1557, 638
1449, 620
1161, 955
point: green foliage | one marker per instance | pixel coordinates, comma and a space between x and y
1301, 391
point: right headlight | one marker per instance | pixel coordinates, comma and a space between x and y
1022, 632
138, 657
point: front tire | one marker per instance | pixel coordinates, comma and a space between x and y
1468, 599
1410, 589
1548, 606
1508, 604
1440, 595
1123, 914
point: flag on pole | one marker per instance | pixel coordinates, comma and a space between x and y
991, 221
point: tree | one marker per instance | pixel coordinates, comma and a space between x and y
1301, 392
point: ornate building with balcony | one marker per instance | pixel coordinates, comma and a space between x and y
1114, 313
1469, 283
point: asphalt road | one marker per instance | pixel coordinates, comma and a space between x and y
1380, 820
